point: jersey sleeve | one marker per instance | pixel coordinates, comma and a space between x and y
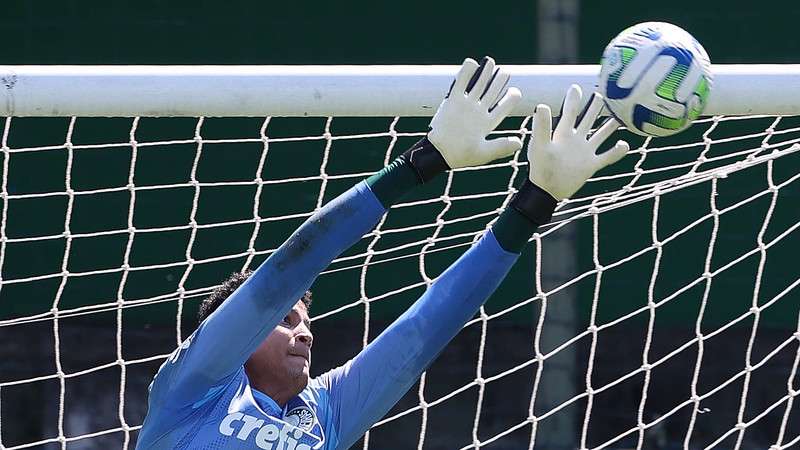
365, 389
222, 343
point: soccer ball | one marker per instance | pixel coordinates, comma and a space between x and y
655, 78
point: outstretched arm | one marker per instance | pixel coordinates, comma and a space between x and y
227, 338
224, 341
364, 389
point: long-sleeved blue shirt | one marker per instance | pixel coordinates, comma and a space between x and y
201, 397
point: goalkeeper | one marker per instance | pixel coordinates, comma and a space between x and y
241, 380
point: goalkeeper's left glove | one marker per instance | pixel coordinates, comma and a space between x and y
561, 161
476, 104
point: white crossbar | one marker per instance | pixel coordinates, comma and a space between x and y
191, 91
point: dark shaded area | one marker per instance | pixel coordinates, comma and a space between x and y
92, 400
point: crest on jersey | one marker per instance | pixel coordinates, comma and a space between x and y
302, 417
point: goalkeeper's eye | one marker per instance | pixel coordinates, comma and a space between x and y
286, 321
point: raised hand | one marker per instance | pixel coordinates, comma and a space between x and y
476, 104
562, 160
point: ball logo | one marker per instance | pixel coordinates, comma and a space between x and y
649, 33
300, 417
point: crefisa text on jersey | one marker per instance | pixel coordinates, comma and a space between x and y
267, 435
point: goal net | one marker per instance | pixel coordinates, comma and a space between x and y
659, 309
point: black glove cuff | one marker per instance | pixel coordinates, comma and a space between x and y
426, 161
534, 203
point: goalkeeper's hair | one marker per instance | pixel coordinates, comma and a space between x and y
222, 292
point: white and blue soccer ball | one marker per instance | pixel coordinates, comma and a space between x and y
655, 78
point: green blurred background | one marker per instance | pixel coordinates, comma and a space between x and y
364, 32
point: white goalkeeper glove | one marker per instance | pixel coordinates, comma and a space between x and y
475, 105
562, 161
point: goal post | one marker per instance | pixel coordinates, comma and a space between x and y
300, 91
128, 193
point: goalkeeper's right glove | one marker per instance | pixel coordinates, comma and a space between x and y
560, 162
475, 105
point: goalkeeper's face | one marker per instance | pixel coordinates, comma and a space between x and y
283, 360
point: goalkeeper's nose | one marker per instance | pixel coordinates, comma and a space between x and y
305, 336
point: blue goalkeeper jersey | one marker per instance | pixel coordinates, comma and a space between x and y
201, 397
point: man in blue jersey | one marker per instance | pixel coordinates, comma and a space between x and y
241, 380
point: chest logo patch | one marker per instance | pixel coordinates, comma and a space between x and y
301, 417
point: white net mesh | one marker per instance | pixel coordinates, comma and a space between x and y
658, 309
